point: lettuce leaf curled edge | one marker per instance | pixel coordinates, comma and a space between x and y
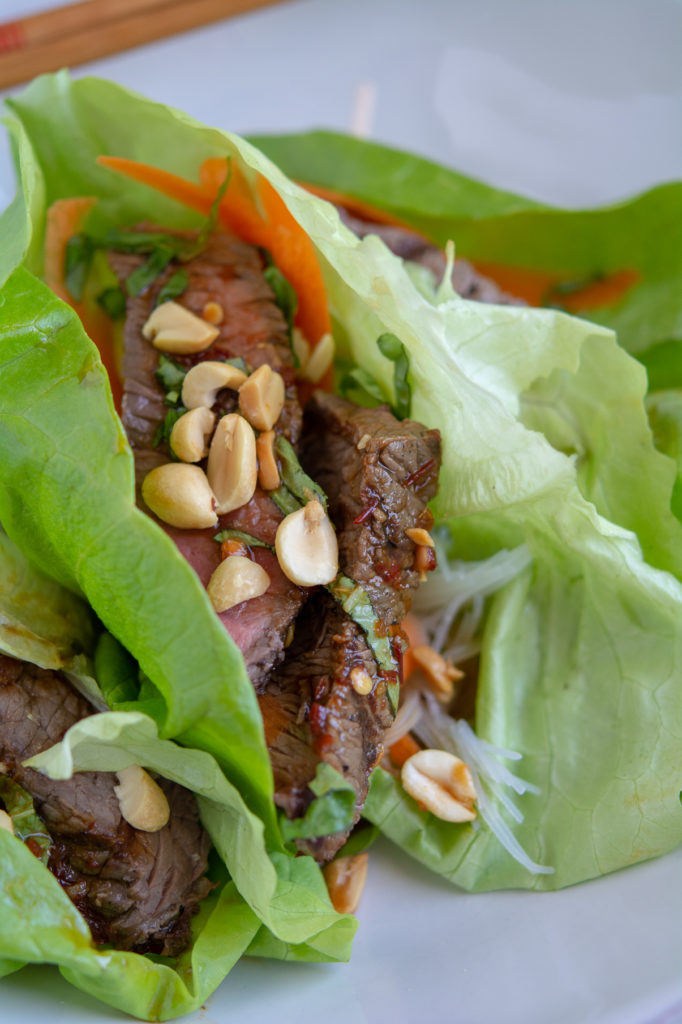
546, 442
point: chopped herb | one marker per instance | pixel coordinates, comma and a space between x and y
77, 262
294, 478
245, 538
359, 386
356, 603
163, 431
331, 811
392, 348
145, 275
174, 287
113, 302
285, 501
170, 376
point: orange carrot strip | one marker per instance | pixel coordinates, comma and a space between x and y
171, 185
277, 230
416, 635
356, 207
403, 749
64, 220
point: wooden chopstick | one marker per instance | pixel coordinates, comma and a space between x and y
81, 32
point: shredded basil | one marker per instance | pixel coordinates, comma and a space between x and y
174, 287
294, 478
78, 256
239, 363
360, 387
163, 431
170, 376
113, 302
356, 603
392, 348
245, 538
285, 501
145, 275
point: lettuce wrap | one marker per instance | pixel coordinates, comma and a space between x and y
547, 444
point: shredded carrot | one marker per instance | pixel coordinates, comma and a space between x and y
416, 636
171, 185
273, 227
262, 220
403, 749
64, 220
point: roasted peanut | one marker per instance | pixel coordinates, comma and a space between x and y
345, 878
232, 468
306, 546
439, 673
173, 328
235, 580
261, 397
142, 801
441, 783
268, 473
6, 822
361, 681
203, 382
191, 433
180, 495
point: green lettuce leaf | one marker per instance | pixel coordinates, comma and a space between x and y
497, 227
39, 924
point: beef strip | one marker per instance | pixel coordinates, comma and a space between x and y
137, 890
228, 272
412, 246
378, 473
312, 714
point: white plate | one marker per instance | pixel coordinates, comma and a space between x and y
576, 104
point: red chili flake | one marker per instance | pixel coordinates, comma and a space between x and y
34, 846
366, 512
419, 473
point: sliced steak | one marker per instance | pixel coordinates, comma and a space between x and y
137, 890
379, 473
261, 645
311, 714
230, 273
412, 246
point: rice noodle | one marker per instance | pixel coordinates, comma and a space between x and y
436, 729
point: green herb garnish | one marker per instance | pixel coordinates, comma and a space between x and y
145, 275
170, 376
392, 348
163, 431
359, 386
113, 302
245, 538
78, 256
174, 287
294, 478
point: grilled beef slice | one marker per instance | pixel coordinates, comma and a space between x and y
228, 272
378, 473
137, 890
412, 246
312, 714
